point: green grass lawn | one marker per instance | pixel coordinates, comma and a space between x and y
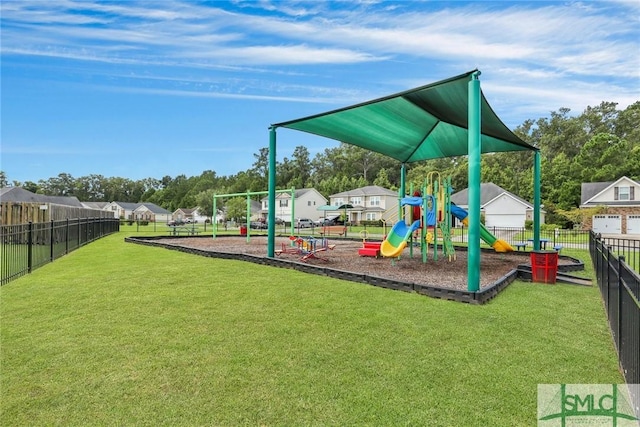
124, 334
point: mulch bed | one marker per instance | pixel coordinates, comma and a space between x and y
344, 257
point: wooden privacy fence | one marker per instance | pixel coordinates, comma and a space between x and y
25, 212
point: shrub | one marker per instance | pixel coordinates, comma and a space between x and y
371, 223
528, 224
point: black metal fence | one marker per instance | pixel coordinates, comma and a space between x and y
577, 239
25, 247
620, 288
627, 248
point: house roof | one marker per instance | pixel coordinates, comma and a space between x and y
488, 192
255, 206
95, 205
129, 206
19, 194
590, 190
298, 193
152, 207
185, 211
427, 122
369, 190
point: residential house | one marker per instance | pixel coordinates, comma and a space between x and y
122, 210
189, 215
151, 212
256, 210
370, 203
621, 198
138, 211
304, 205
500, 207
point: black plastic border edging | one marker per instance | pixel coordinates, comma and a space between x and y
481, 297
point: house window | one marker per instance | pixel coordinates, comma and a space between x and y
338, 202
371, 216
309, 203
374, 201
356, 200
284, 203
624, 193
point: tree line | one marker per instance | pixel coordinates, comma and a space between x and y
600, 144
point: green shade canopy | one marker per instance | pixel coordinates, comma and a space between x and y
424, 123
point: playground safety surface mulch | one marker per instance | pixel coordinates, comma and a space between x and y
344, 256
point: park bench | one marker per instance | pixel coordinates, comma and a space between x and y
328, 230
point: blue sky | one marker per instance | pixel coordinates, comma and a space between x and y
141, 89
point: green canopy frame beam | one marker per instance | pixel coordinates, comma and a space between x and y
536, 201
271, 231
474, 141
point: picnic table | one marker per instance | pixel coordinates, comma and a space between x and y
176, 230
543, 243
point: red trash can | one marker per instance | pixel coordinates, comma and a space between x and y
544, 266
243, 230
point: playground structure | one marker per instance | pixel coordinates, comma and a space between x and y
430, 216
307, 247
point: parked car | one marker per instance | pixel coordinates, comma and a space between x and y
258, 225
175, 222
304, 223
331, 220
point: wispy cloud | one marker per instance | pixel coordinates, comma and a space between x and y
554, 45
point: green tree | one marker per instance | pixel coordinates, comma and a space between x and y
3, 180
301, 167
382, 180
61, 185
236, 209
204, 199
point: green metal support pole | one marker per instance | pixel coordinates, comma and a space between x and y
271, 232
214, 221
293, 211
248, 223
536, 201
474, 147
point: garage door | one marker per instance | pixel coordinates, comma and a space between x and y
607, 224
504, 221
633, 224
